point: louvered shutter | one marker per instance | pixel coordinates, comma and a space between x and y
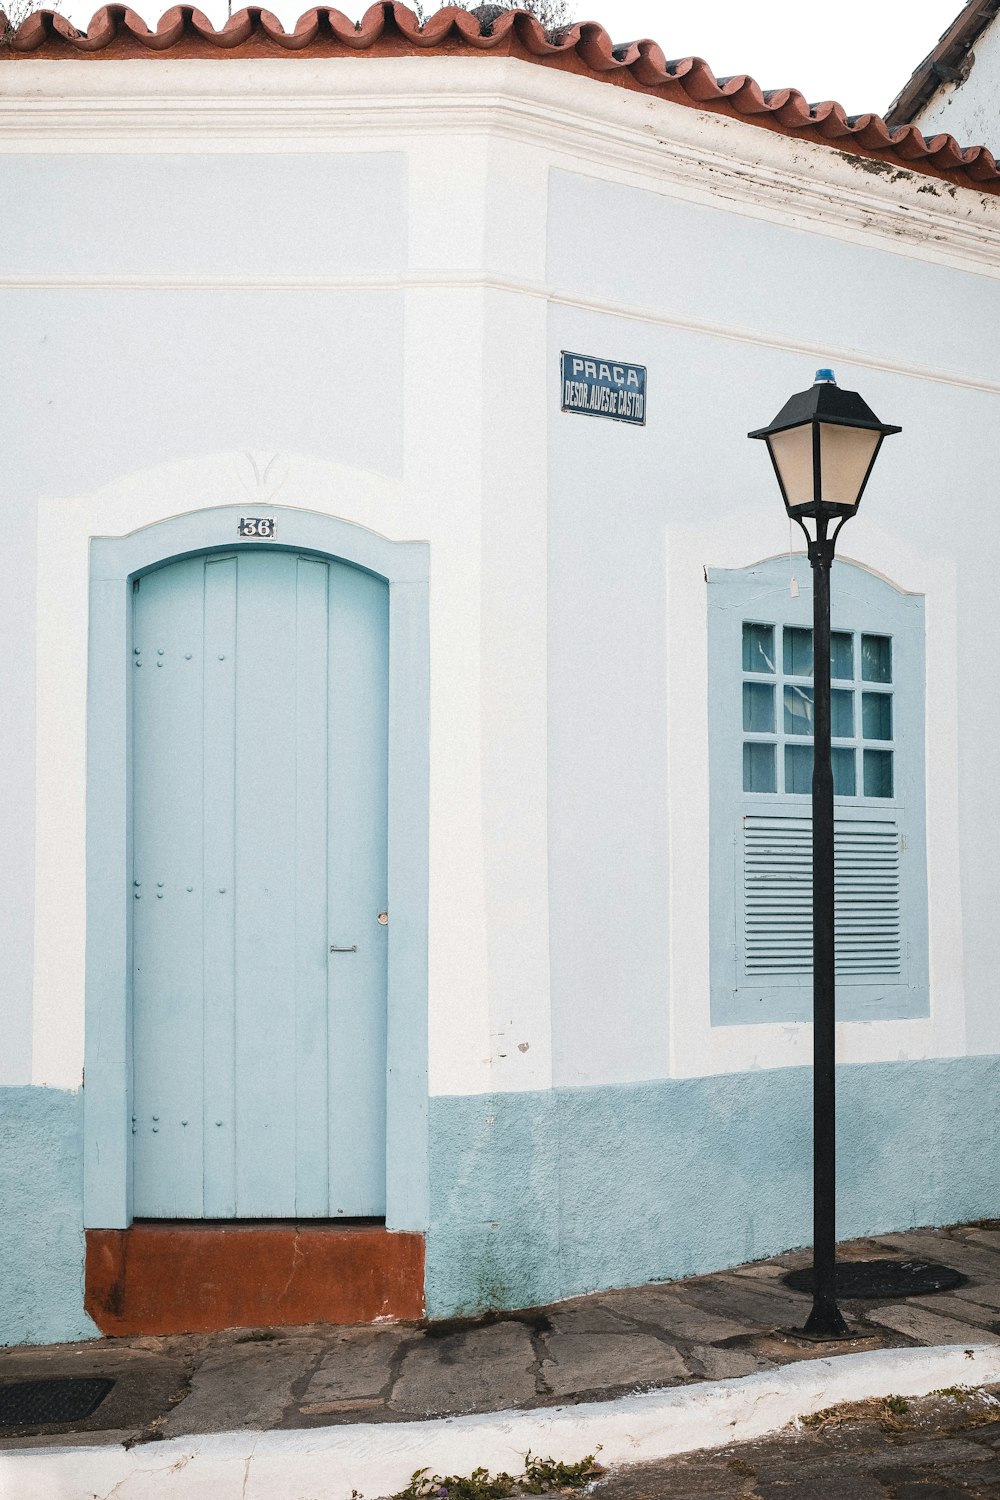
777, 897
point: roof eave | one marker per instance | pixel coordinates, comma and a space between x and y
948, 61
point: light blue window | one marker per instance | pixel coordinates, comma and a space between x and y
876, 716
876, 658
842, 714
758, 647
798, 709
760, 695
844, 778
759, 773
758, 707
842, 656
798, 769
797, 657
878, 773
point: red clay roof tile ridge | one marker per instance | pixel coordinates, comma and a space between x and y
389, 28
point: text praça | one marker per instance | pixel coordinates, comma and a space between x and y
603, 388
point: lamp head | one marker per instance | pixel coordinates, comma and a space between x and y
823, 444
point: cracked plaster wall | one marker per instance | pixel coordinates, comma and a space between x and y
540, 1196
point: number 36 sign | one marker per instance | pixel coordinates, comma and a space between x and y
261, 526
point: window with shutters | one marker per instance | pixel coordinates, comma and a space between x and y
760, 728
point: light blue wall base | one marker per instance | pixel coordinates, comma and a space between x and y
41, 1193
540, 1196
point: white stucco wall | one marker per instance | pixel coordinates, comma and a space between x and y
357, 277
732, 305
970, 111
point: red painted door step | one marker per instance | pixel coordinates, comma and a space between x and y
193, 1277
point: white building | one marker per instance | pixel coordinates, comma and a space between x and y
957, 86
393, 861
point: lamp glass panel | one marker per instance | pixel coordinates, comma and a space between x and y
845, 454
793, 458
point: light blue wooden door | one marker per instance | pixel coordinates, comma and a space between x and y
259, 756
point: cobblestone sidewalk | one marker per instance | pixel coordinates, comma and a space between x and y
730, 1324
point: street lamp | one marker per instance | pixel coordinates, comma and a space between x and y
823, 444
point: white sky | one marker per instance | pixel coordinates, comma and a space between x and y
859, 52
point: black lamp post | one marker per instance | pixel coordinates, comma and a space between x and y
823, 444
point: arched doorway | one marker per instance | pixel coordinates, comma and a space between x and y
291, 673
259, 804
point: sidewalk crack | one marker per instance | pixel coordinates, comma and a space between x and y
173, 1468
247, 1462
540, 1350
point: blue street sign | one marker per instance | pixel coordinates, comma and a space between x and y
604, 388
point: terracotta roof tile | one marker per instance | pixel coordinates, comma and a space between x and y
390, 29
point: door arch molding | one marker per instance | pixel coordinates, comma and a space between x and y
114, 563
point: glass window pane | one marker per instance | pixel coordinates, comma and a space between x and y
876, 658
798, 768
758, 707
758, 767
878, 773
798, 710
843, 772
876, 716
842, 714
798, 652
842, 655
758, 647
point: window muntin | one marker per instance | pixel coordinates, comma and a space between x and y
777, 747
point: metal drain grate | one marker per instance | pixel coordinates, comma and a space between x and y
31, 1403
883, 1278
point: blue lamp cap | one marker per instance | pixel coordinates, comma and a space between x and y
825, 377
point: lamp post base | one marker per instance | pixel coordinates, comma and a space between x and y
826, 1321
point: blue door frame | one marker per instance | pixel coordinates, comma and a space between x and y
114, 563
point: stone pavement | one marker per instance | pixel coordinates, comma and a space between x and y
706, 1328
943, 1447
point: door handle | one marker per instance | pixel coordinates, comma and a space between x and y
335, 949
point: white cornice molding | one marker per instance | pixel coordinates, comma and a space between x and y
647, 313
580, 124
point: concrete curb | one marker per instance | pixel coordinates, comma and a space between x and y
373, 1459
